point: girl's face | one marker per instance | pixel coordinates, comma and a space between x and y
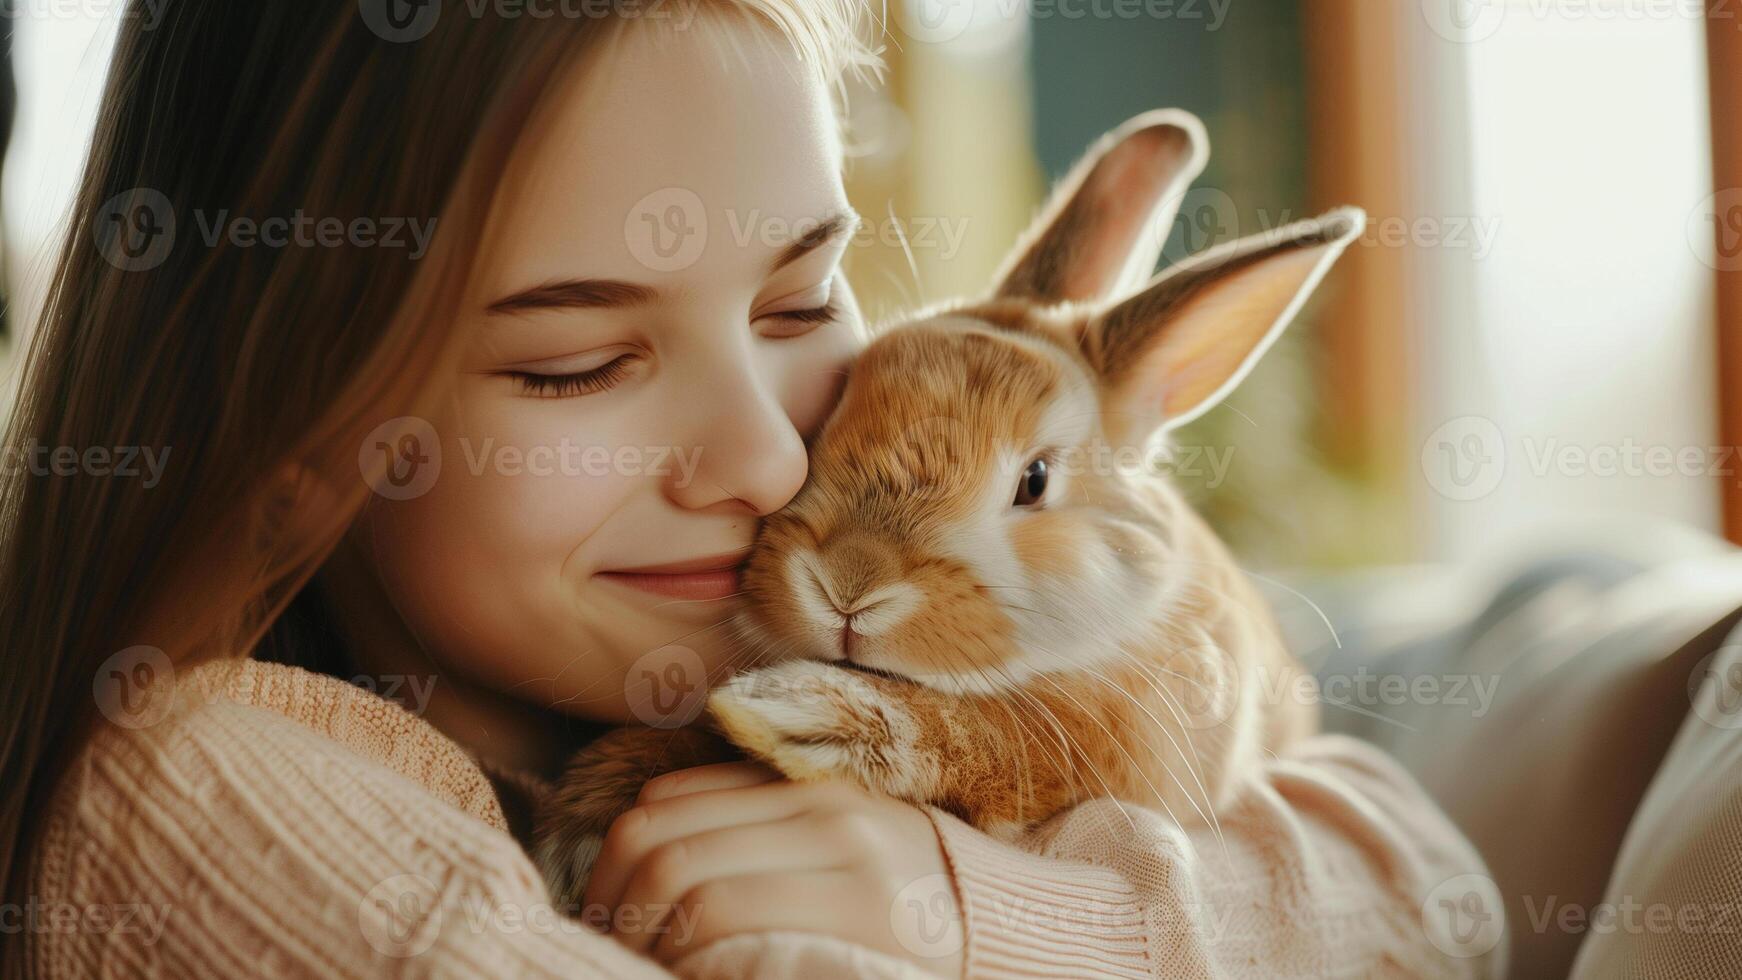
664, 325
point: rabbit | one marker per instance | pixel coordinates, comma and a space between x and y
965, 605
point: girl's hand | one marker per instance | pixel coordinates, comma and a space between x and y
716, 851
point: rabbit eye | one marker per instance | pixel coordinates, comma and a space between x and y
1032, 487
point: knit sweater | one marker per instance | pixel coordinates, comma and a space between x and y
277, 822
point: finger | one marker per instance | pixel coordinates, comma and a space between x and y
815, 901
701, 779
674, 870
644, 828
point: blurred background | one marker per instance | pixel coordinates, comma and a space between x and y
1528, 334
1538, 325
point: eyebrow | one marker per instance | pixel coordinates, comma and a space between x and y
592, 294
833, 226
574, 294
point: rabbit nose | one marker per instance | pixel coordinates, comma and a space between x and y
854, 566
856, 615
865, 593
847, 601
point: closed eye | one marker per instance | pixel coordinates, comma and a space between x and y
601, 378
797, 323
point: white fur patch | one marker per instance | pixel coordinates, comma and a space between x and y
816, 611
1053, 634
877, 612
805, 580
886, 607
800, 716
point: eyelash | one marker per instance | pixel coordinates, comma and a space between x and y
569, 385
817, 316
821, 314
609, 375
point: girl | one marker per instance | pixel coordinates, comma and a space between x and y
568, 414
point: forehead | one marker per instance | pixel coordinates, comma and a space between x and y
712, 133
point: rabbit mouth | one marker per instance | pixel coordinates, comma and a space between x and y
889, 675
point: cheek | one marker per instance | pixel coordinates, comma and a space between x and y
498, 543
813, 372
1049, 547
518, 486
957, 630
498, 520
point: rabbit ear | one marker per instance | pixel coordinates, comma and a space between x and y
1107, 221
1171, 352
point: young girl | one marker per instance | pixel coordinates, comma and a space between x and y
504, 476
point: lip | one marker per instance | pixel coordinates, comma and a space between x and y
697, 579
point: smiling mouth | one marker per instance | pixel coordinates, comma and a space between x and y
696, 579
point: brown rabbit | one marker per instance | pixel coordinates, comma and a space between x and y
976, 602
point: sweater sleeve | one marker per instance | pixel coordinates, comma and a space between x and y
1333, 862
232, 841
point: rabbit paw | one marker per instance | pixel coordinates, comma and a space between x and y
814, 721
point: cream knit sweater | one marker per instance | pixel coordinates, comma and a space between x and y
283, 823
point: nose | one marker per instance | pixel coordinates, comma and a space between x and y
748, 455
853, 567
860, 578
853, 615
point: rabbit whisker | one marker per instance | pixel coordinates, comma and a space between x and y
691, 602
1192, 760
1067, 745
1205, 811
1089, 763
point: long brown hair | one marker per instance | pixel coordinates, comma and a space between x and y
257, 370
